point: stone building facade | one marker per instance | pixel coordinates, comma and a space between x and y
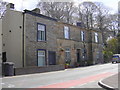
33, 44
83, 48
45, 41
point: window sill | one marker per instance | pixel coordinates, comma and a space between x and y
67, 38
42, 41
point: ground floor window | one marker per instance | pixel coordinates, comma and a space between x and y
97, 54
67, 55
41, 57
83, 54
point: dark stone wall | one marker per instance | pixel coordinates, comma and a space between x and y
31, 70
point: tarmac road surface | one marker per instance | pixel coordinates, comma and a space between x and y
82, 77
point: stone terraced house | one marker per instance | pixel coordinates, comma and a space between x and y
30, 39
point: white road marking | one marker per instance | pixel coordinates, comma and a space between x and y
11, 85
79, 85
2, 83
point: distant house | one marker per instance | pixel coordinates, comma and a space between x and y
32, 39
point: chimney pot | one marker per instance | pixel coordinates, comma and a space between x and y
10, 6
80, 24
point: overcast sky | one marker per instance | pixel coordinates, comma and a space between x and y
31, 4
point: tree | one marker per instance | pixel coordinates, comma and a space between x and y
62, 11
101, 17
69, 11
110, 49
113, 45
52, 9
106, 22
118, 37
2, 7
86, 13
113, 25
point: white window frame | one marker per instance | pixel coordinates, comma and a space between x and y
96, 37
41, 56
97, 56
82, 35
41, 32
83, 53
66, 54
66, 32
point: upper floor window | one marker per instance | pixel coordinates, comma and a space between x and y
96, 37
41, 32
66, 32
82, 35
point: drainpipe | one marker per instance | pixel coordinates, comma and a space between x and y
23, 42
91, 47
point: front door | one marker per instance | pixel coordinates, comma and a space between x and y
78, 55
52, 57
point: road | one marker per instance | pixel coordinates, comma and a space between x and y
82, 77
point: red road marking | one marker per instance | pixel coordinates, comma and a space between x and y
71, 83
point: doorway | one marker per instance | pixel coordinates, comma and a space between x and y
78, 55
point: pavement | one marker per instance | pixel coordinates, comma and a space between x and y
110, 83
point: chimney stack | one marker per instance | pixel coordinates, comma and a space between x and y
36, 10
10, 6
80, 24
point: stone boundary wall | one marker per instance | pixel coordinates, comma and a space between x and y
32, 70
